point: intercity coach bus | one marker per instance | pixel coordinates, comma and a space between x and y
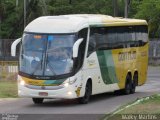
76, 56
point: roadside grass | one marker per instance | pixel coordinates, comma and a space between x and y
8, 88
149, 105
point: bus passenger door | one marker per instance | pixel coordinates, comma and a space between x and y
91, 70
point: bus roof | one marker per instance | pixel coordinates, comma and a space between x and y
75, 22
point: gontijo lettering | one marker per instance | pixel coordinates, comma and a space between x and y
131, 55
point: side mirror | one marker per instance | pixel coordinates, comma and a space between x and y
76, 47
13, 47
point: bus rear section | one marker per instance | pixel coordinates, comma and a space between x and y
121, 52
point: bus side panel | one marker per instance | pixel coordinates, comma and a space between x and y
119, 67
108, 68
125, 61
131, 60
94, 69
91, 71
143, 66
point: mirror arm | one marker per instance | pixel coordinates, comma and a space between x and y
13, 47
76, 47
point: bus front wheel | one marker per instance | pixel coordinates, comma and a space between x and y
88, 92
37, 100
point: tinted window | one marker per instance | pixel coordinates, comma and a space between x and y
141, 33
117, 37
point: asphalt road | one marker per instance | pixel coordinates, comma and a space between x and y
70, 109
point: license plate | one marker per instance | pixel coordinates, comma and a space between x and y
43, 94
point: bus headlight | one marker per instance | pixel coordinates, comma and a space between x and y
69, 93
22, 82
66, 84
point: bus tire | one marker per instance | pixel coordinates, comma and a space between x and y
134, 81
88, 92
128, 85
37, 100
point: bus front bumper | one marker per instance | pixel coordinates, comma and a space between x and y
68, 92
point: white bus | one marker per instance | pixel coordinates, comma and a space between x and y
76, 56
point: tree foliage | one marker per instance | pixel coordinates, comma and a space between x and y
11, 16
150, 11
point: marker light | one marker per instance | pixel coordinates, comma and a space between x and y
69, 93
66, 84
37, 36
22, 82
19, 91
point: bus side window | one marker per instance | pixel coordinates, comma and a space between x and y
110, 37
141, 35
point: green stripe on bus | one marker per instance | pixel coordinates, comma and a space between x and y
107, 67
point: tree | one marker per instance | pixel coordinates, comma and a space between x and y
11, 16
149, 10
2, 9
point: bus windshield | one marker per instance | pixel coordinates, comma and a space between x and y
46, 55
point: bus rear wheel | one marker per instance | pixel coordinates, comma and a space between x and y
37, 100
134, 82
128, 85
88, 92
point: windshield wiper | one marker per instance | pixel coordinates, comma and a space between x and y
52, 69
50, 66
38, 65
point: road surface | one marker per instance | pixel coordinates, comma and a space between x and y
97, 107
